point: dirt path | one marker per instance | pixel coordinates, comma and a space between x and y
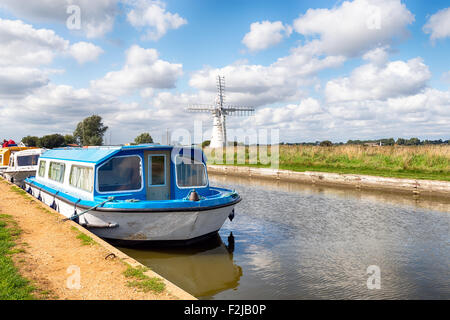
53, 253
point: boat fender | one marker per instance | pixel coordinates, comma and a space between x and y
231, 215
53, 205
76, 219
193, 196
39, 196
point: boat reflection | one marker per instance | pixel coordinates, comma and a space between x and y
203, 269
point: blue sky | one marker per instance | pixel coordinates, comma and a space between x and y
314, 70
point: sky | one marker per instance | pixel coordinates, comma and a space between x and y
314, 70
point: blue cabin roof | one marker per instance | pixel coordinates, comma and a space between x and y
93, 154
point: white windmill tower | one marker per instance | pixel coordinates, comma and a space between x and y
219, 112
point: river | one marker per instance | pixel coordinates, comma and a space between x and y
296, 241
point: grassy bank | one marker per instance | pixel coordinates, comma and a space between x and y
12, 285
414, 162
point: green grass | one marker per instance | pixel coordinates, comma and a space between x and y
151, 284
417, 162
12, 285
143, 282
19, 191
137, 272
85, 239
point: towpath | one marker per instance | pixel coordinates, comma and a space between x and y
58, 263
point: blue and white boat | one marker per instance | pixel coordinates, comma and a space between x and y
134, 193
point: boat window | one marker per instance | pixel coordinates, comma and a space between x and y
30, 160
56, 171
41, 171
120, 174
82, 178
190, 173
157, 174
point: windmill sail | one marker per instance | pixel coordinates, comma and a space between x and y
219, 112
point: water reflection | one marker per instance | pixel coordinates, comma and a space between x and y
203, 269
293, 241
428, 202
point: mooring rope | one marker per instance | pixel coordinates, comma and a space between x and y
87, 210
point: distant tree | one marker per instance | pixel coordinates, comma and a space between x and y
30, 141
401, 141
206, 143
90, 131
69, 139
388, 142
326, 143
52, 141
413, 142
143, 138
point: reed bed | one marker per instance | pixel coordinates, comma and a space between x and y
420, 162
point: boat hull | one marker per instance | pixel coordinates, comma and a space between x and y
17, 177
142, 226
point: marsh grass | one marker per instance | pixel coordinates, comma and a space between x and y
416, 162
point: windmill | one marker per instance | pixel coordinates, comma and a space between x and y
219, 112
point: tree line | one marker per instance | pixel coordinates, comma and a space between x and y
89, 132
383, 142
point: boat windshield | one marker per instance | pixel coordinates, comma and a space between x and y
190, 173
30, 160
120, 174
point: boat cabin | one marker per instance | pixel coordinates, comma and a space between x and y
22, 164
5, 154
145, 172
24, 160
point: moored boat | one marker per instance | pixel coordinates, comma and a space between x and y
134, 193
22, 164
5, 154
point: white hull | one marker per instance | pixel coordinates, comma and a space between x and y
144, 226
18, 177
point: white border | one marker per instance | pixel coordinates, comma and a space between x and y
39, 168
84, 167
121, 191
150, 171
64, 172
190, 187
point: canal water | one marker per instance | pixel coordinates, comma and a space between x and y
294, 241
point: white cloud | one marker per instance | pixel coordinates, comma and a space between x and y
446, 77
259, 85
18, 81
438, 25
85, 51
152, 15
22, 45
23, 49
97, 17
355, 27
377, 56
142, 70
370, 81
265, 34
